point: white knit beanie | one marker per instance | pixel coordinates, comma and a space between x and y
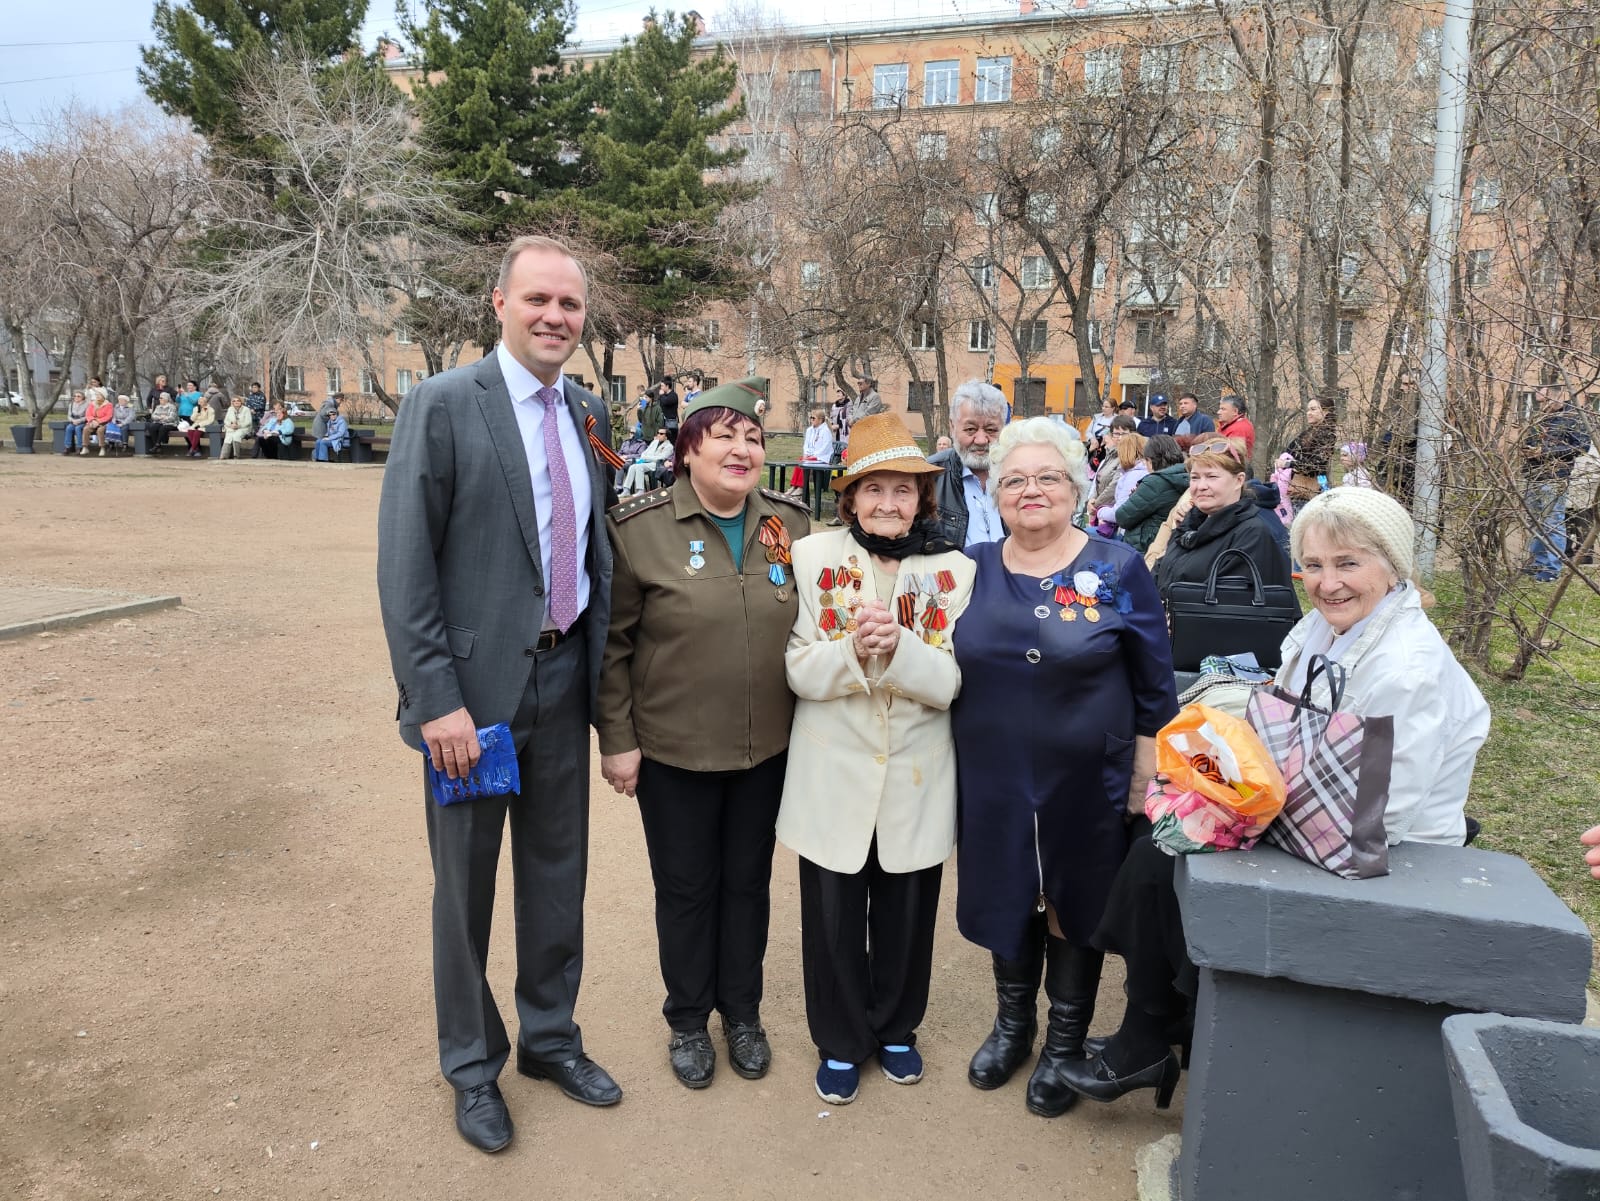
1382, 519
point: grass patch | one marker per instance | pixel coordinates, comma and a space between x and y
1534, 788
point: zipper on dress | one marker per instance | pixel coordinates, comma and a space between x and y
1038, 858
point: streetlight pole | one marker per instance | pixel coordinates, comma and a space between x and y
1445, 190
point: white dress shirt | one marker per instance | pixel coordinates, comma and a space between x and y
522, 385
983, 516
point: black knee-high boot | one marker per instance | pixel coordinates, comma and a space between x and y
1071, 980
1016, 1019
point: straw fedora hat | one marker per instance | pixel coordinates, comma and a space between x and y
881, 443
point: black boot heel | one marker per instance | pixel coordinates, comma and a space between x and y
1095, 1079
1169, 1081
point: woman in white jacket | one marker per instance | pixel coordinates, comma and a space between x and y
869, 800
1355, 547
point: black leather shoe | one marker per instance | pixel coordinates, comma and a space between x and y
1097, 1080
582, 1078
694, 1059
749, 1053
482, 1117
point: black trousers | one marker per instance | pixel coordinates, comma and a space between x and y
867, 946
549, 865
1143, 924
710, 836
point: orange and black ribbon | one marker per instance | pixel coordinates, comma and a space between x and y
772, 534
601, 447
906, 604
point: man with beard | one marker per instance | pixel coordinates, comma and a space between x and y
966, 511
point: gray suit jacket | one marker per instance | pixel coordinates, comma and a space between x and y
459, 577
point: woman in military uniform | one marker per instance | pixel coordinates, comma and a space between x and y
694, 715
870, 801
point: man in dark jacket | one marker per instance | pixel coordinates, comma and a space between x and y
966, 511
1555, 439
1191, 421
1160, 421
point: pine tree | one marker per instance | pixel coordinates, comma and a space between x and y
645, 191
499, 109
202, 48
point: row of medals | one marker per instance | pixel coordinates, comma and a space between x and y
1067, 596
851, 576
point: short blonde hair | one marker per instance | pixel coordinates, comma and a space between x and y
1129, 448
537, 242
1041, 431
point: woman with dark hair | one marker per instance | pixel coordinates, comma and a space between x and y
1104, 489
1310, 451
869, 804
1140, 516
694, 715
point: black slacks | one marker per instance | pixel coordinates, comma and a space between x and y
710, 836
866, 943
1144, 924
549, 865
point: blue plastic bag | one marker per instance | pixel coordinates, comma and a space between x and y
495, 775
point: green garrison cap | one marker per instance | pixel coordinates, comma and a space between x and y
740, 396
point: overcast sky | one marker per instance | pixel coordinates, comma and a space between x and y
56, 51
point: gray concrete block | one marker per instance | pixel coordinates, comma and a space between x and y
1474, 930
1527, 1106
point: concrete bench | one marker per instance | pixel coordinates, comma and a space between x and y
1318, 1069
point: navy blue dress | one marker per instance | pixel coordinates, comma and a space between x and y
1044, 749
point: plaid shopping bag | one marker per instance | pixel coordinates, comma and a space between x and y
1335, 766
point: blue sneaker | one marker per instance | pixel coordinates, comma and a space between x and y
903, 1065
837, 1082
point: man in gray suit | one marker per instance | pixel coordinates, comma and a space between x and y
494, 575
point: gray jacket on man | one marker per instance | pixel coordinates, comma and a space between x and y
459, 576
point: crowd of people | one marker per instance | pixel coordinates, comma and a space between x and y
977, 658
240, 423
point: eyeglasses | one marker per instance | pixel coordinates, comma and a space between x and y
1216, 446
1048, 481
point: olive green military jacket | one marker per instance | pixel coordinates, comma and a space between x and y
693, 672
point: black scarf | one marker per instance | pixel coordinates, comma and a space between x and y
925, 537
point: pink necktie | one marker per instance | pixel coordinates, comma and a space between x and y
563, 581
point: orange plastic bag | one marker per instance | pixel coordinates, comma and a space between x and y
1216, 788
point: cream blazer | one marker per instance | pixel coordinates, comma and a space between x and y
871, 753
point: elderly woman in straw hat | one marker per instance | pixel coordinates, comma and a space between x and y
869, 803
1355, 546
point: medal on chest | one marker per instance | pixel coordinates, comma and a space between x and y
775, 537
923, 604
697, 555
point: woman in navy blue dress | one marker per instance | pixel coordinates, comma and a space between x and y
1066, 678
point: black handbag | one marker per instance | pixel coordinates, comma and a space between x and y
1229, 616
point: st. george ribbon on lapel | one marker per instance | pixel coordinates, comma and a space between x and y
601, 447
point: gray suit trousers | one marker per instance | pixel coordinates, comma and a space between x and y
549, 864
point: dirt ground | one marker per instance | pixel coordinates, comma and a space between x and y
215, 977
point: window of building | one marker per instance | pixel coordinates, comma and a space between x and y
934, 217
335, 380
1316, 55
402, 381
1478, 264
1400, 342
805, 91
758, 92
369, 382
811, 275
1347, 336
1047, 82
923, 339
1349, 268
941, 82
1429, 40
1033, 336
1220, 275
711, 334
987, 211
989, 144
919, 396
1485, 194
1042, 208
980, 335
1036, 273
617, 392
1029, 397
994, 80
889, 85
402, 336
294, 379
1210, 334
982, 272
933, 146
1046, 140
1149, 337
1213, 68
1094, 336
1098, 280
1158, 68
1102, 71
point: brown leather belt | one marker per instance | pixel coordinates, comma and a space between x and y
550, 639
